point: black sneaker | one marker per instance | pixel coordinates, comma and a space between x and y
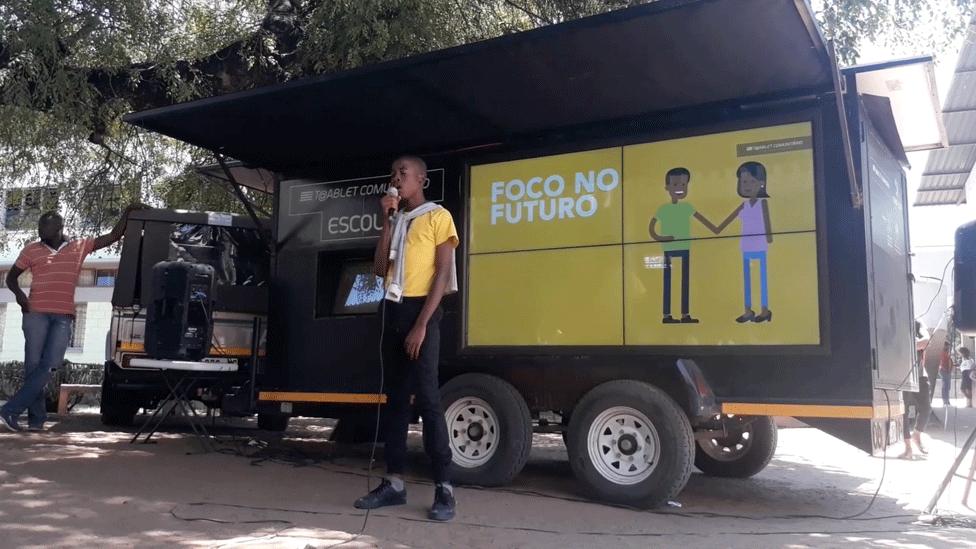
10, 422
382, 496
443, 507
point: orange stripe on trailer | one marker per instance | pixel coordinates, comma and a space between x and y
214, 351
804, 410
332, 398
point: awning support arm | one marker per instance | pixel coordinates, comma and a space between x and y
240, 196
857, 198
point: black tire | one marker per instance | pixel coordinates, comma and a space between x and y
745, 452
118, 408
512, 431
642, 482
273, 422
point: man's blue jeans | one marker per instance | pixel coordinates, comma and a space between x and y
46, 338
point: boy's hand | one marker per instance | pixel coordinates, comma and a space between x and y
389, 203
24, 304
415, 339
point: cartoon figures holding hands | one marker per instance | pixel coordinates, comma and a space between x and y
756, 235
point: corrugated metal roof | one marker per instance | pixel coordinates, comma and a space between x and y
955, 159
936, 198
960, 127
948, 169
962, 92
967, 60
943, 181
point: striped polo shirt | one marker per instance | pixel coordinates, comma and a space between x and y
55, 274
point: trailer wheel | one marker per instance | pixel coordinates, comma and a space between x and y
629, 442
117, 408
272, 422
745, 450
489, 428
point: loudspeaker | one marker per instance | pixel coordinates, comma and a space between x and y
179, 320
964, 279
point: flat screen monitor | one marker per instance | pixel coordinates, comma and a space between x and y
360, 291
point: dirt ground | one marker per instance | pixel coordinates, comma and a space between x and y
81, 485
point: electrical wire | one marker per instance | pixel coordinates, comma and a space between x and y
376, 426
296, 458
213, 331
939, 289
522, 528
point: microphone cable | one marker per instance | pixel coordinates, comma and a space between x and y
379, 400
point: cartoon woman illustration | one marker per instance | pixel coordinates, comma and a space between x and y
757, 235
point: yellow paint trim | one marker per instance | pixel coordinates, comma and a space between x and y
332, 398
805, 410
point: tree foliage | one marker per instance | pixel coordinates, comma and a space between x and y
70, 68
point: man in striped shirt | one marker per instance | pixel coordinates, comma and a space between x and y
54, 262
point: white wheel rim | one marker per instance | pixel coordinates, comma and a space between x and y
472, 426
624, 446
729, 448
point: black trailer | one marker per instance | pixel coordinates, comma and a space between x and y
551, 149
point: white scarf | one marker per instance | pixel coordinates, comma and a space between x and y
402, 221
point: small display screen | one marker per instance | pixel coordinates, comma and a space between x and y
360, 291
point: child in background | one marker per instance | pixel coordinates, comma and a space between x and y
967, 367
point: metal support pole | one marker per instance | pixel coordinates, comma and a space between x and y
240, 196
951, 473
857, 197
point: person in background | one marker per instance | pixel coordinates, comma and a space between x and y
967, 367
945, 372
919, 400
55, 262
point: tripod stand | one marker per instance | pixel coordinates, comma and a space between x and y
952, 471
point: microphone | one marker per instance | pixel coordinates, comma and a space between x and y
394, 192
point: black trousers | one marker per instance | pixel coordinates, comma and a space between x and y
920, 401
404, 377
669, 257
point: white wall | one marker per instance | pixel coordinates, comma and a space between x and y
98, 319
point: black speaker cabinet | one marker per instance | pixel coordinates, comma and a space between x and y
964, 278
179, 321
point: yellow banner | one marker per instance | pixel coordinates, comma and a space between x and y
707, 240
567, 200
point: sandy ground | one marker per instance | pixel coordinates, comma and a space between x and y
81, 485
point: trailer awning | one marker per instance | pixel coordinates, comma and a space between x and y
948, 171
657, 57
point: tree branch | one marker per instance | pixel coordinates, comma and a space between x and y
529, 12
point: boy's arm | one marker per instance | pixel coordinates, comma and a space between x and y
381, 256
442, 272
704, 221
654, 235
729, 219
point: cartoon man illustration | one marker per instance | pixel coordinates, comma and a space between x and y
675, 235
